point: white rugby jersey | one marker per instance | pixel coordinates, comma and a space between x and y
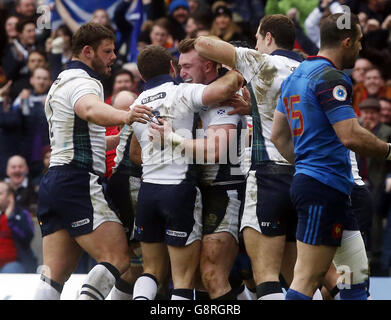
177, 104
228, 171
73, 140
266, 74
355, 172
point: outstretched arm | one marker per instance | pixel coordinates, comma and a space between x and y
91, 108
359, 139
66, 16
216, 50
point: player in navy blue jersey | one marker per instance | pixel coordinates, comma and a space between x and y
314, 127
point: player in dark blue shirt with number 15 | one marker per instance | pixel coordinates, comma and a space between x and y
314, 127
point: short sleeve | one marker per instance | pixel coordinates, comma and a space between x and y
334, 90
219, 116
334, 94
248, 62
190, 96
83, 87
280, 105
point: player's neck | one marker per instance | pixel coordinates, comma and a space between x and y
85, 61
211, 76
333, 55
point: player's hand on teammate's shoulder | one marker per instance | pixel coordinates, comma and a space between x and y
139, 113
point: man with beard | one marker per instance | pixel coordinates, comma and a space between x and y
314, 127
72, 210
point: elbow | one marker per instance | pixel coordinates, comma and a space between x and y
273, 139
349, 143
88, 115
201, 44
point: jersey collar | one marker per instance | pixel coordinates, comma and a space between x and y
158, 80
289, 54
76, 64
321, 57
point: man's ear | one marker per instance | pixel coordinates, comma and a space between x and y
173, 71
88, 52
269, 38
346, 43
210, 65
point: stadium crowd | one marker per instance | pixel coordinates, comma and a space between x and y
31, 58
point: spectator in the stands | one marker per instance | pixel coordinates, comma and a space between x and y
223, 25
35, 131
385, 111
374, 86
137, 87
59, 50
10, 28
160, 33
201, 19
312, 21
26, 8
16, 233
10, 132
374, 171
178, 13
36, 59
123, 80
15, 58
361, 66
26, 195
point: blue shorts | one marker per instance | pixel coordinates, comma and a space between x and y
119, 194
72, 198
268, 207
323, 212
169, 214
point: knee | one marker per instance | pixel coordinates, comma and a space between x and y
121, 261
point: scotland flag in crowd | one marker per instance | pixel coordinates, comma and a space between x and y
82, 10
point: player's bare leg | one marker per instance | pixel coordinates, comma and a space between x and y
266, 254
156, 262
218, 254
184, 264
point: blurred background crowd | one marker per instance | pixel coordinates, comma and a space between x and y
35, 45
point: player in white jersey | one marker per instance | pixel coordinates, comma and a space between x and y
221, 179
122, 192
168, 209
269, 218
72, 211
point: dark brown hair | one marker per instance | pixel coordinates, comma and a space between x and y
281, 28
22, 23
153, 61
90, 34
186, 45
331, 34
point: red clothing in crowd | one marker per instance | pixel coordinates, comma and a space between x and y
110, 155
8, 251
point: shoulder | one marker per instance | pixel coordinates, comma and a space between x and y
331, 78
